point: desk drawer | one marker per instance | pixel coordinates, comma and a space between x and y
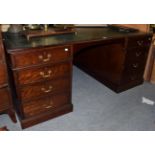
136, 55
44, 105
134, 66
132, 76
37, 74
4, 99
44, 88
41, 56
3, 77
133, 71
139, 41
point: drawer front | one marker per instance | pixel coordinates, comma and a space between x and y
133, 71
139, 41
136, 54
41, 56
3, 77
44, 88
132, 76
136, 66
4, 101
44, 105
42, 73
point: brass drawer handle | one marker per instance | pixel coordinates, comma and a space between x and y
44, 75
47, 90
66, 49
140, 43
138, 54
135, 65
48, 58
50, 106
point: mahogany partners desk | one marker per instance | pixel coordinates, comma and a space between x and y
40, 69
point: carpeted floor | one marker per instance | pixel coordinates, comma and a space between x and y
98, 108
